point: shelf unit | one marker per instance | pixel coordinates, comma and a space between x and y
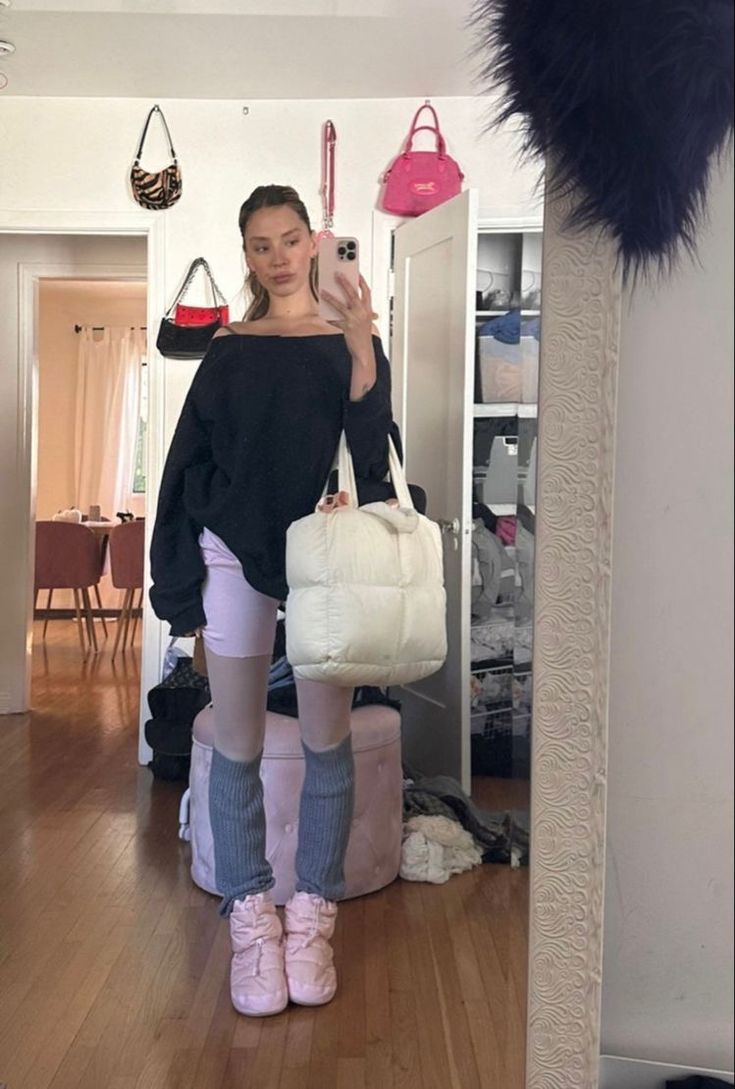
505, 417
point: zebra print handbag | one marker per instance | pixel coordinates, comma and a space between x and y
162, 189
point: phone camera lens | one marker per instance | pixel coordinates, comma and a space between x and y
341, 251
350, 245
351, 255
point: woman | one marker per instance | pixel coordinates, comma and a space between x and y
251, 453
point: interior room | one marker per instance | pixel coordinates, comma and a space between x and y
91, 432
535, 878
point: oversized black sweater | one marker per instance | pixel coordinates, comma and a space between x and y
251, 453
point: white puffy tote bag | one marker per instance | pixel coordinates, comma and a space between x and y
366, 602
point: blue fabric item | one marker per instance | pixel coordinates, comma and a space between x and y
531, 327
506, 329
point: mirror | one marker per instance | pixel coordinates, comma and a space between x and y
452, 958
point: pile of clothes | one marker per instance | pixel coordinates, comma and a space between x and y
445, 833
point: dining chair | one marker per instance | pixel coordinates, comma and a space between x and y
127, 543
68, 557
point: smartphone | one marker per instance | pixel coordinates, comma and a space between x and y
337, 255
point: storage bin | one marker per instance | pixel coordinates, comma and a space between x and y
501, 370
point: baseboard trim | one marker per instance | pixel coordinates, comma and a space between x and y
619, 1073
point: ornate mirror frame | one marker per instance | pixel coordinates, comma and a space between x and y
576, 450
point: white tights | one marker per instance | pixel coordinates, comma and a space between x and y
239, 688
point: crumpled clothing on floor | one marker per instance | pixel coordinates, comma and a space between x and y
434, 848
502, 836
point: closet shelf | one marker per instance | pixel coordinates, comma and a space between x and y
505, 408
508, 309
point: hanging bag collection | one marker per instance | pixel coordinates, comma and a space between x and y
417, 181
162, 189
186, 331
366, 602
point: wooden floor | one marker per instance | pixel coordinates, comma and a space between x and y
113, 965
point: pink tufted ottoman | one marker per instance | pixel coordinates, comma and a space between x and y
374, 850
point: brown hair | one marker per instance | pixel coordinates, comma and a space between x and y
271, 196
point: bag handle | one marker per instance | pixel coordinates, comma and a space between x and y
346, 474
329, 141
198, 262
440, 143
139, 152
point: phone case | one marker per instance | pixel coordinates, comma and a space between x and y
333, 257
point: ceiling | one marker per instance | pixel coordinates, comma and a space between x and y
242, 49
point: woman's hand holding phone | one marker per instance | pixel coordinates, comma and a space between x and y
357, 325
356, 314
353, 313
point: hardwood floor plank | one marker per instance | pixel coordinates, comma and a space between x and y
268, 1057
436, 1065
378, 1031
350, 1074
297, 1049
215, 1053
71, 1070
97, 954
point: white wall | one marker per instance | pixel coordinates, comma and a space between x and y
224, 155
667, 983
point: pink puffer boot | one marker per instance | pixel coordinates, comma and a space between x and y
257, 978
310, 920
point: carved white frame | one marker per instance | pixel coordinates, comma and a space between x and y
576, 448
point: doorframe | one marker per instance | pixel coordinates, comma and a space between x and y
104, 224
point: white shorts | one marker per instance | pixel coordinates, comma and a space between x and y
241, 622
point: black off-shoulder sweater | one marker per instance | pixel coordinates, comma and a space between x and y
252, 450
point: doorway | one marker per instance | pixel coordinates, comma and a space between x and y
90, 464
36, 247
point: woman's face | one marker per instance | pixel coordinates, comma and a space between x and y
278, 249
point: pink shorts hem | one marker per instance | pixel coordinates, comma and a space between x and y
241, 622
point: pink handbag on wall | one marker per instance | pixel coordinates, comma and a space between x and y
417, 181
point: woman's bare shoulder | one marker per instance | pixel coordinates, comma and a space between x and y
261, 327
234, 328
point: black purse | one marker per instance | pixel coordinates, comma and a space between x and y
186, 341
162, 189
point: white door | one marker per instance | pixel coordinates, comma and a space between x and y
432, 356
